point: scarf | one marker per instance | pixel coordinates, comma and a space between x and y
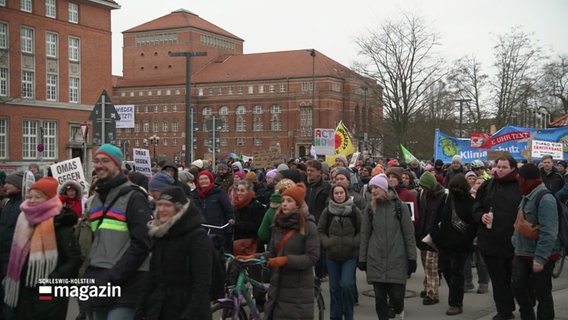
340, 209
528, 185
158, 229
34, 237
203, 192
290, 220
510, 177
238, 204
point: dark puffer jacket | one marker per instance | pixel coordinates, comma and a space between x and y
8, 217
341, 234
428, 207
444, 235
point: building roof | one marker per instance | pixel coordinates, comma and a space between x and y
560, 122
270, 65
181, 18
108, 3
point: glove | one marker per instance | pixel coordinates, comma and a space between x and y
362, 265
277, 262
411, 266
252, 256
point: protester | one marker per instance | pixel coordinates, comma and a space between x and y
180, 267
71, 195
264, 231
224, 177
387, 252
456, 168
44, 246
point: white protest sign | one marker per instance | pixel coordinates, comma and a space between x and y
126, 113
70, 170
142, 162
540, 148
324, 140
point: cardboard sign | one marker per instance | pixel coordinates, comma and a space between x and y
263, 159
142, 162
494, 154
70, 170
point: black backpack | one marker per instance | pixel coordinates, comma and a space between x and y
562, 217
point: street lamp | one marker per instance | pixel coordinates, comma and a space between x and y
313, 54
154, 139
188, 108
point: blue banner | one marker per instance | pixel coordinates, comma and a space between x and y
510, 138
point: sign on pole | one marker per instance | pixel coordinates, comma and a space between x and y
540, 148
324, 141
142, 162
127, 116
104, 117
70, 170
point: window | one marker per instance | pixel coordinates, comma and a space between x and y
240, 90
3, 3
29, 139
156, 127
261, 89
200, 92
27, 85
146, 109
207, 111
275, 123
73, 13
27, 40
49, 139
3, 82
51, 45
175, 127
271, 88
50, 10
51, 87
137, 126
26, 5
3, 138
257, 123
241, 110
74, 89
165, 126
240, 142
223, 111
257, 109
240, 123
307, 86
251, 89
175, 108
146, 126
3, 36
165, 142
156, 109
74, 49
174, 142
275, 108
257, 141
282, 88
306, 121
210, 91
165, 108
230, 90
219, 91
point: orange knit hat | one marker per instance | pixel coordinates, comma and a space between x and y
297, 192
47, 185
377, 170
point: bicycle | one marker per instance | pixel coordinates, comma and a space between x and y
233, 306
559, 265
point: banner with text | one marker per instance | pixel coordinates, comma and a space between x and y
324, 141
512, 139
142, 162
540, 148
70, 170
126, 113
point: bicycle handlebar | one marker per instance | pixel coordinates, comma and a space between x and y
260, 260
229, 223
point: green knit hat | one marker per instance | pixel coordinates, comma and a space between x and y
112, 152
428, 181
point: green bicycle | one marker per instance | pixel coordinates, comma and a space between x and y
240, 295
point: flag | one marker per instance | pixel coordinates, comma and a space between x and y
343, 142
407, 155
480, 140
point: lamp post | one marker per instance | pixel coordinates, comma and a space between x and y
313, 54
188, 108
154, 139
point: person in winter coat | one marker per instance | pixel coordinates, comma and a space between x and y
339, 230
431, 198
44, 246
180, 268
292, 252
500, 195
265, 231
453, 232
387, 252
394, 175
71, 195
215, 206
456, 168
535, 258
553, 180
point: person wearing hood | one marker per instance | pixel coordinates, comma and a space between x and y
394, 175
160, 181
339, 230
387, 252
455, 168
215, 205
224, 176
172, 169
44, 246
71, 195
431, 198
292, 253
180, 268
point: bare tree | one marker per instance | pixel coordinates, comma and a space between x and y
555, 82
399, 56
516, 60
469, 83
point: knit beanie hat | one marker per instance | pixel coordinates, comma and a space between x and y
208, 174
47, 185
396, 171
378, 169
297, 192
283, 185
325, 167
343, 159
439, 162
380, 181
113, 152
470, 174
457, 158
251, 177
281, 167
222, 166
427, 180
272, 173
160, 181
292, 174
529, 171
392, 162
240, 174
16, 179
344, 172
185, 177
174, 194
238, 165
198, 163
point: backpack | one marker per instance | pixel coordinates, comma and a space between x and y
397, 208
562, 217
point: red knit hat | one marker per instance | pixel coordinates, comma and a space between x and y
297, 192
47, 185
208, 174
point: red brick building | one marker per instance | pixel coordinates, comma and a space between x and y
263, 100
55, 60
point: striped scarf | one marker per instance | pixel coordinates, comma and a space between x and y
34, 237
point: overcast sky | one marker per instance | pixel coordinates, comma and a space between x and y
331, 26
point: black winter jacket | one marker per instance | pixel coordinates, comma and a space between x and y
8, 217
447, 237
428, 205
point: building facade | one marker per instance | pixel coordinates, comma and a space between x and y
55, 60
260, 102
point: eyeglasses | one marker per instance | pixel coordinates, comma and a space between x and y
102, 160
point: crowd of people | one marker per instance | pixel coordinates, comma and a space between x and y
311, 222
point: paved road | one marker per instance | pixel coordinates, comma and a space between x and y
476, 306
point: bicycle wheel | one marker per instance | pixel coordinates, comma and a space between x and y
224, 310
319, 305
559, 265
